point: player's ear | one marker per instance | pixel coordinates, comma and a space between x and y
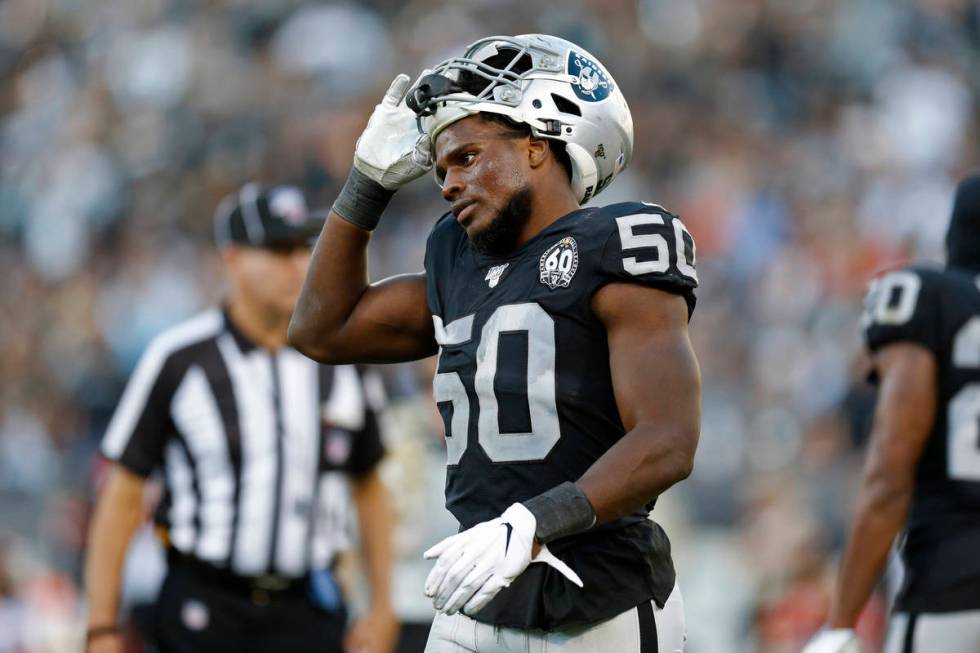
229, 257
537, 151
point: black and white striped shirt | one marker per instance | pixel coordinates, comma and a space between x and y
255, 446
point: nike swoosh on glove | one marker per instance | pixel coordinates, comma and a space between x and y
391, 150
473, 566
836, 640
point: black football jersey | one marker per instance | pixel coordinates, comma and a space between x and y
940, 310
524, 387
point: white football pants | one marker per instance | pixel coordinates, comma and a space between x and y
947, 632
628, 632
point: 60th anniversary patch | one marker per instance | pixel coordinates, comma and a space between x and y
559, 263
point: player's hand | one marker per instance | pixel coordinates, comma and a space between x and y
473, 566
108, 643
391, 150
835, 640
375, 632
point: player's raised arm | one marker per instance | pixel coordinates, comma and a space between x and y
340, 317
658, 391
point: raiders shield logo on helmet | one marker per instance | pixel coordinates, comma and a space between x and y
591, 84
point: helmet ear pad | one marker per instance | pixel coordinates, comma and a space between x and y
585, 174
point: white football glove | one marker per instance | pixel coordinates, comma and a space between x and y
835, 640
473, 566
391, 150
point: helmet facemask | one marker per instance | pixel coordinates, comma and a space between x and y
490, 72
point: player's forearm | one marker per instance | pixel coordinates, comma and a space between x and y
375, 519
336, 280
643, 464
117, 516
903, 420
881, 513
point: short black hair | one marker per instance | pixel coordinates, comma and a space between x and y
523, 130
963, 234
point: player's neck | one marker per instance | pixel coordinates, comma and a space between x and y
266, 329
545, 209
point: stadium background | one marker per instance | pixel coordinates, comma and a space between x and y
806, 144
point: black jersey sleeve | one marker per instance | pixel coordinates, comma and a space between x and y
648, 245
441, 249
904, 306
368, 449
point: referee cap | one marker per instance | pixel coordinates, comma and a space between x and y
276, 216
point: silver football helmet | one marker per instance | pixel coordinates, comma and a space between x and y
553, 86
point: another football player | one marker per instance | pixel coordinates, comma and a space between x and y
923, 468
566, 379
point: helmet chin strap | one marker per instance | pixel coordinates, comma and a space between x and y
585, 175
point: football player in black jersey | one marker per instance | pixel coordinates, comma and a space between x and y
923, 469
566, 378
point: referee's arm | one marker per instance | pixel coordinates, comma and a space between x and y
377, 630
134, 443
118, 513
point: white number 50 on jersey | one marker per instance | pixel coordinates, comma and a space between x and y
545, 432
630, 240
532, 320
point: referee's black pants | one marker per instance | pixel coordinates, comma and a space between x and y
194, 614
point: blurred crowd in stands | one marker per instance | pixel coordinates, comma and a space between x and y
807, 144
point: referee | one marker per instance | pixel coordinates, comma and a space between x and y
261, 450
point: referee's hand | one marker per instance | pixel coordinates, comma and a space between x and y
375, 632
106, 643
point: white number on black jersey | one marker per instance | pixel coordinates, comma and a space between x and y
892, 302
527, 318
657, 245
